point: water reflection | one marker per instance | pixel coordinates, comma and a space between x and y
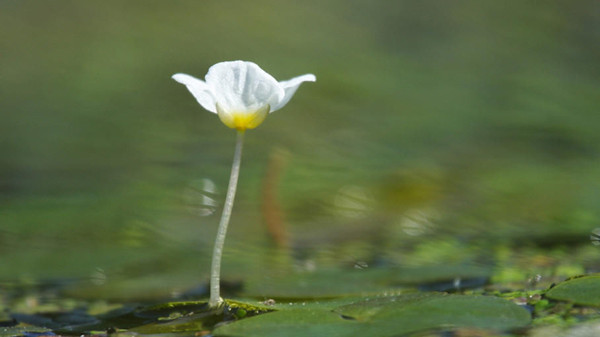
595, 237
200, 197
138, 233
353, 202
98, 276
417, 222
361, 265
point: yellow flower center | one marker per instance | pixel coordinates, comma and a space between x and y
243, 120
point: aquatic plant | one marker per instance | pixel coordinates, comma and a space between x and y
242, 95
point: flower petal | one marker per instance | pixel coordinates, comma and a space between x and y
199, 89
241, 86
290, 86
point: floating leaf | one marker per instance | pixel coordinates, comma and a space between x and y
291, 323
366, 309
384, 316
583, 291
416, 312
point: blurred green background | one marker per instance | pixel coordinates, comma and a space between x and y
436, 131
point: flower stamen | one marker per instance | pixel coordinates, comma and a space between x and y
243, 120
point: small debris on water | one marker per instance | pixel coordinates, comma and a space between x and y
269, 302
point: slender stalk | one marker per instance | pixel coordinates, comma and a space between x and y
215, 271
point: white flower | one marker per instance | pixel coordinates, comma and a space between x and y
241, 93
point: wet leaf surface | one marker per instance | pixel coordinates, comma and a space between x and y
385, 316
582, 291
382, 313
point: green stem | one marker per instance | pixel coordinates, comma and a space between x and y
215, 271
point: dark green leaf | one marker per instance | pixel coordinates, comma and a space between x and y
384, 316
583, 290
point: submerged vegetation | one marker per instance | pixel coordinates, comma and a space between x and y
491, 310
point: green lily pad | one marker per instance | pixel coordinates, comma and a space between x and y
416, 312
291, 323
583, 291
384, 316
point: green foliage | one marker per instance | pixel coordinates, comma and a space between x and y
579, 290
480, 116
385, 316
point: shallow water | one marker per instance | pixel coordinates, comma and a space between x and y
455, 134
